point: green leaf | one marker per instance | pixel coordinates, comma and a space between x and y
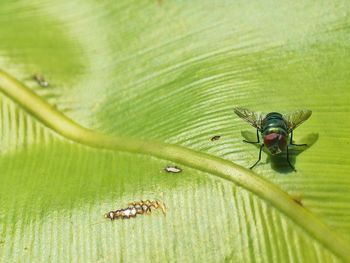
136, 86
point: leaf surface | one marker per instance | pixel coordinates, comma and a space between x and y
134, 87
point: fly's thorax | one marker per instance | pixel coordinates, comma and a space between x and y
274, 122
275, 132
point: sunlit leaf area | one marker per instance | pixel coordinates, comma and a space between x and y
128, 107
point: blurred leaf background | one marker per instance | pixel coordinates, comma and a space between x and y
171, 71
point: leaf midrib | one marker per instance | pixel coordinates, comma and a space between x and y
224, 169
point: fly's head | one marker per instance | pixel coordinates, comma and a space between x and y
275, 142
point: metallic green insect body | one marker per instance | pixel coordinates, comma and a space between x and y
274, 129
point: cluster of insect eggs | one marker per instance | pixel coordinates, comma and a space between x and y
135, 208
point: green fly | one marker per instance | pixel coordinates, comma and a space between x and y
275, 129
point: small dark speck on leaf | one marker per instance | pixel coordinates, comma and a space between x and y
173, 169
297, 199
215, 138
40, 80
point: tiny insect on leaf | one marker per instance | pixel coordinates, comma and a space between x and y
173, 169
275, 129
40, 80
215, 138
136, 208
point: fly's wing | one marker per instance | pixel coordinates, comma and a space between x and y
296, 118
254, 118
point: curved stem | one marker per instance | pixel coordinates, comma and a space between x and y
224, 169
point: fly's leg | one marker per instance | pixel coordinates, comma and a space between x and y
289, 160
291, 141
257, 136
259, 157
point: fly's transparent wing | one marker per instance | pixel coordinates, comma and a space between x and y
254, 118
296, 118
